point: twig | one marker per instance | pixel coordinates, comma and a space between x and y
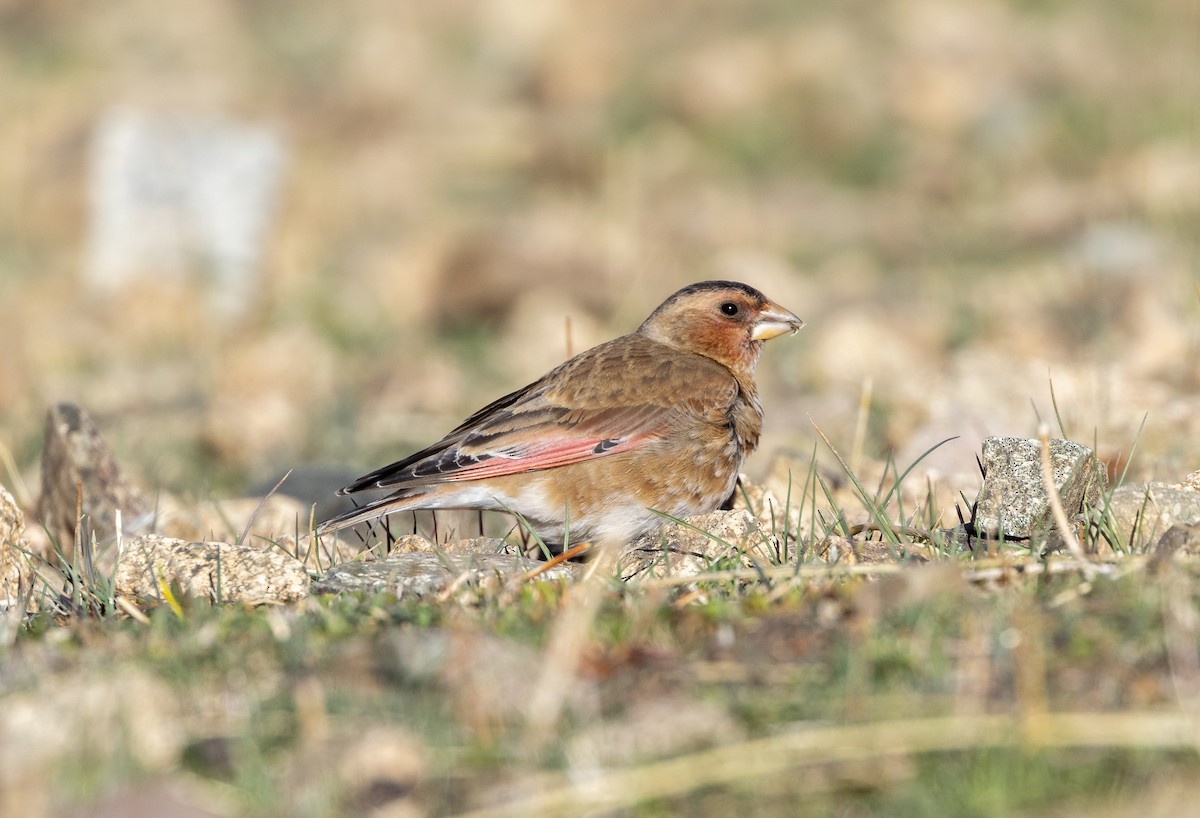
570, 553
808, 746
1060, 514
454, 584
132, 610
1050, 568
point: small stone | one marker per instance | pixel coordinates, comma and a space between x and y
216, 571
80, 473
1013, 502
1143, 512
721, 539
425, 574
1116, 247
411, 544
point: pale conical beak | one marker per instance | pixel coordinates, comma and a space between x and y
773, 321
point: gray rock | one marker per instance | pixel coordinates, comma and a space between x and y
425, 574
80, 472
182, 195
1143, 512
722, 539
1013, 500
215, 571
1118, 247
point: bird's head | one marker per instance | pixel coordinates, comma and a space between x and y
723, 320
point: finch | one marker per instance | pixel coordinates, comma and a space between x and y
659, 420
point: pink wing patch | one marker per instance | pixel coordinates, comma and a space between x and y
547, 455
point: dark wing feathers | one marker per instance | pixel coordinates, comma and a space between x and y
388, 474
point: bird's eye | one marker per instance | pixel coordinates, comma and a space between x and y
729, 308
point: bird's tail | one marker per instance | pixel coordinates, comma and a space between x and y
403, 500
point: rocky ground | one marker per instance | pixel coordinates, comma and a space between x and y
984, 212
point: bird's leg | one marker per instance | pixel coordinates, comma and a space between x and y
389, 537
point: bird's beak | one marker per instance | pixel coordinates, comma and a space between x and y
775, 320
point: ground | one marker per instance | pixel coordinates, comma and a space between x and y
985, 213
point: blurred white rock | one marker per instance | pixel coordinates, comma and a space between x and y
182, 198
1119, 248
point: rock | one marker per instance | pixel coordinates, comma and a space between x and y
720, 540
425, 574
15, 570
186, 197
1118, 247
216, 571
1013, 502
1142, 512
411, 544
78, 465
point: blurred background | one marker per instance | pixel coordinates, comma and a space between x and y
249, 236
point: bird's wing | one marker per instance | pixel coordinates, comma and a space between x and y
614, 398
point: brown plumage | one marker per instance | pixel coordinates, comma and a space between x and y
658, 419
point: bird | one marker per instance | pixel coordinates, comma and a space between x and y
656, 422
